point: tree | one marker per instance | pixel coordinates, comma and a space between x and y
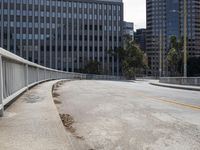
173, 42
172, 59
131, 58
174, 56
93, 67
145, 63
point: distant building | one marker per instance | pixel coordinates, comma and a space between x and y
140, 38
63, 34
128, 29
165, 19
193, 26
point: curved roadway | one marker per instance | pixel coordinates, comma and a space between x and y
113, 115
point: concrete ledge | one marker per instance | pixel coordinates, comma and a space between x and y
32, 122
188, 81
175, 86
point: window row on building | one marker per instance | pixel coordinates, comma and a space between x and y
63, 34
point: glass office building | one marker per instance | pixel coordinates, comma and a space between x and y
165, 19
156, 24
193, 26
140, 38
63, 34
128, 29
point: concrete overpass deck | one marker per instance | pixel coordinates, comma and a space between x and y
33, 123
108, 115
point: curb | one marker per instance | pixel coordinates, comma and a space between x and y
57, 112
175, 87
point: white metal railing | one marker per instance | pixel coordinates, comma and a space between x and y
18, 74
195, 81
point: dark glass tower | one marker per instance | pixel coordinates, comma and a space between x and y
156, 26
165, 19
140, 38
193, 26
172, 19
63, 34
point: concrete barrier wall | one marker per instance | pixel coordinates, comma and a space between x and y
195, 81
18, 74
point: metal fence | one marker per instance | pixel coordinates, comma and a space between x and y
195, 81
18, 74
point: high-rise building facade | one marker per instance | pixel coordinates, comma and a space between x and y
165, 19
128, 29
63, 34
193, 26
140, 38
156, 23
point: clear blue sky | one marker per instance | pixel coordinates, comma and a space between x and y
135, 11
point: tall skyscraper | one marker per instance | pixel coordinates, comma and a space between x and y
128, 29
63, 34
140, 38
193, 26
165, 19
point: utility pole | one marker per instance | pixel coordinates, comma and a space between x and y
163, 54
185, 38
160, 55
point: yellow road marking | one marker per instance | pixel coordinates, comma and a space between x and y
169, 101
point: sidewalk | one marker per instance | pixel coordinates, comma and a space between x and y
176, 86
33, 123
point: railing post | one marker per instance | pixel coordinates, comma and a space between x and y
1, 88
45, 74
38, 76
27, 76
57, 75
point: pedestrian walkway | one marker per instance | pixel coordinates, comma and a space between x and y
176, 86
33, 123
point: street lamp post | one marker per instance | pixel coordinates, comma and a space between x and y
185, 38
160, 54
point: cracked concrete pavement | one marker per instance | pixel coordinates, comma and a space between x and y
113, 115
32, 122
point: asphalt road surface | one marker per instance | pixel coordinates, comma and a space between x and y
111, 115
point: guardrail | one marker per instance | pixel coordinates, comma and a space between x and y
18, 74
195, 81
